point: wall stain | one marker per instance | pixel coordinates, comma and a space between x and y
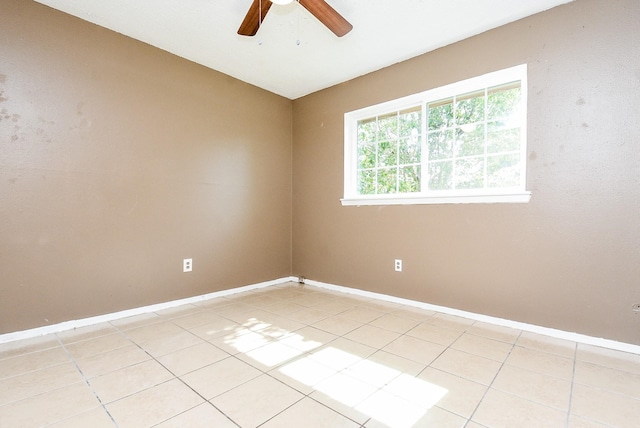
585, 125
533, 155
2, 97
580, 102
3, 78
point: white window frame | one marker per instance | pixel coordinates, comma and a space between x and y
517, 194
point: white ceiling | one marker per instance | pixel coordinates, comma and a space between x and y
293, 54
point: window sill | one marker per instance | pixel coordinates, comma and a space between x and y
426, 200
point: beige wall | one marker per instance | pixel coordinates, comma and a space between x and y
118, 160
569, 259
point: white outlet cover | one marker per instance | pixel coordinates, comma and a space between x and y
187, 265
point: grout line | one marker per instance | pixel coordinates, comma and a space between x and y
513, 345
573, 376
86, 381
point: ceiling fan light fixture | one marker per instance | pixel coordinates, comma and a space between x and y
281, 2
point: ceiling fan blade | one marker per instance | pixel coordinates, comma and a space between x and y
328, 16
252, 20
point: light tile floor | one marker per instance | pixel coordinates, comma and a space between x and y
299, 356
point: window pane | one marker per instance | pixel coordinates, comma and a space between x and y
470, 173
387, 153
366, 155
503, 170
410, 122
470, 108
440, 177
502, 138
440, 114
470, 140
367, 130
367, 182
440, 144
388, 127
387, 179
409, 150
410, 179
503, 101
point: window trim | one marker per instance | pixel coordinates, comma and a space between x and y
517, 194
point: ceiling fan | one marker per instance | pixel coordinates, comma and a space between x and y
318, 8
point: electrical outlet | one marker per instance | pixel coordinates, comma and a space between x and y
398, 265
187, 265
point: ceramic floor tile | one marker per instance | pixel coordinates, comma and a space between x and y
309, 413
373, 373
94, 418
541, 362
308, 338
610, 379
136, 321
496, 332
38, 382
130, 380
361, 314
179, 311
27, 346
169, 343
283, 308
488, 348
390, 411
49, 408
369, 335
414, 313
499, 409
199, 318
343, 393
309, 315
106, 362
220, 377
536, 387
332, 359
97, 345
335, 307
609, 358
415, 349
604, 407
337, 325
440, 335
269, 356
578, 422
380, 305
202, 416
154, 405
263, 406
303, 374
20, 364
462, 395
84, 333
192, 358
213, 329
551, 345
469, 366
394, 323
240, 340
450, 321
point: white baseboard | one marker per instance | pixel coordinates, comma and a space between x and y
560, 334
70, 325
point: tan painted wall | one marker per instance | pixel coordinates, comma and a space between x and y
569, 259
118, 160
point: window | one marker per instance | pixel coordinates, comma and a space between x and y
464, 142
